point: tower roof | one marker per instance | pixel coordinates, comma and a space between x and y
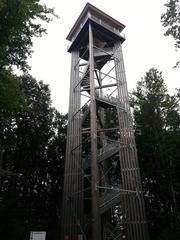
89, 8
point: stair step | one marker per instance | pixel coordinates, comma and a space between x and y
85, 76
104, 52
109, 200
107, 101
110, 234
85, 114
108, 151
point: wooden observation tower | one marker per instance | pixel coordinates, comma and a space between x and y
102, 194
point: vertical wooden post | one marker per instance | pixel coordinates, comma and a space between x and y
133, 204
72, 206
96, 224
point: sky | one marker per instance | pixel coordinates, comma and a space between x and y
145, 46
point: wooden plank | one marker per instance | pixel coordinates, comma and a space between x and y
96, 224
136, 224
72, 207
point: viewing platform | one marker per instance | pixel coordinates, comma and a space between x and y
104, 27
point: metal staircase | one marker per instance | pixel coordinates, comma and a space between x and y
109, 199
108, 151
112, 233
106, 102
85, 113
85, 82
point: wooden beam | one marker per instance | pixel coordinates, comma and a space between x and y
100, 87
96, 219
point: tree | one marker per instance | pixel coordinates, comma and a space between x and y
32, 132
19, 23
171, 20
11, 101
30, 197
158, 152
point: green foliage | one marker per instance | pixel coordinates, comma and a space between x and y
11, 102
11, 98
19, 23
32, 132
157, 125
31, 178
170, 19
5, 173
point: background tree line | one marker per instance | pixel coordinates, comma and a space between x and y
157, 131
33, 134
